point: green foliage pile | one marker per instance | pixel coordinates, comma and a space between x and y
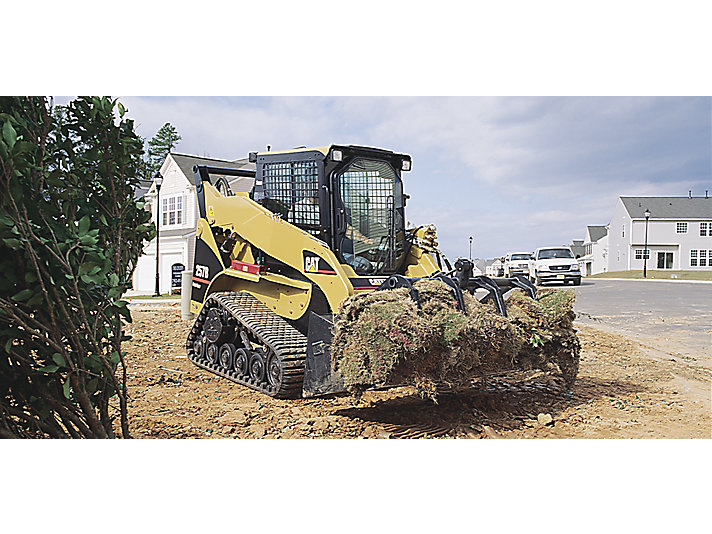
383, 337
71, 233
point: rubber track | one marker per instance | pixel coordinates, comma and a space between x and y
270, 330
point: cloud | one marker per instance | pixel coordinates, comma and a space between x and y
516, 172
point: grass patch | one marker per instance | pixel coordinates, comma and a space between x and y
657, 275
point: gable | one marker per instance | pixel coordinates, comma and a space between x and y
596, 232
173, 177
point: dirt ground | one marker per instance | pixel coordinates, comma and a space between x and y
624, 390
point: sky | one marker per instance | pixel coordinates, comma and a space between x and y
515, 173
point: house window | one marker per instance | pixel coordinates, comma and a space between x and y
682, 228
623, 231
693, 258
172, 211
703, 259
703, 229
639, 254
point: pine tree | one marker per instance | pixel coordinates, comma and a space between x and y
159, 146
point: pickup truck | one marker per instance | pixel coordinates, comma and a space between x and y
516, 263
554, 264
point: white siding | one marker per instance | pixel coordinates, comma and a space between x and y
173, 249
619, 231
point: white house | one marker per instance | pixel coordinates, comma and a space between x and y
678, 234
478, 267
178, 218
494, 267
595, 250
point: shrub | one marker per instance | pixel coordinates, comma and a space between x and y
71, 233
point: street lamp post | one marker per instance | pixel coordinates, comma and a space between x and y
645, 248
158, 179
470, 248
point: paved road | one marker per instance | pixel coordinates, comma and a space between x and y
673, 316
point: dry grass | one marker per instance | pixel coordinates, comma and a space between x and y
385, 338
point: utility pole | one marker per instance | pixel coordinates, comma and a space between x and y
159, 180
645, 248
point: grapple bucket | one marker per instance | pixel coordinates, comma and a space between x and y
320, 378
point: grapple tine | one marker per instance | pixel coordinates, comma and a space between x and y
485, 282
522, 282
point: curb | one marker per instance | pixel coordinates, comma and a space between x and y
590, 279
144, 302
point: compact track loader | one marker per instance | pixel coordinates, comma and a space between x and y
272, 266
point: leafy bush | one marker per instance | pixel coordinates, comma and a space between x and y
71, 233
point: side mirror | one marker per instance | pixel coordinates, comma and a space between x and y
578, 256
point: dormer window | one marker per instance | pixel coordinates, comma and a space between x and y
172, 210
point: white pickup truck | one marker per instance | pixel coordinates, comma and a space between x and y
516, 263
554, 264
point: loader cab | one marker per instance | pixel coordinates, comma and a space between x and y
350, 197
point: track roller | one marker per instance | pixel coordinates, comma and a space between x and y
239, 338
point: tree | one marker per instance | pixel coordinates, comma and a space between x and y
70, 237
159, 146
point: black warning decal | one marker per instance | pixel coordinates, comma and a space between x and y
315, 264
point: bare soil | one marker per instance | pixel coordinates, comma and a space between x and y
623, 390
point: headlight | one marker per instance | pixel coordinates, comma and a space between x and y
405, 165
337, 155
575, 267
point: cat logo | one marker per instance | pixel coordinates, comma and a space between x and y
311, 264
314, 264
376, 281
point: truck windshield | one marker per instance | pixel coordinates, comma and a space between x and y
520, 257
554, 253
373, 199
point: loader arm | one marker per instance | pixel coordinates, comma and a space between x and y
258, 228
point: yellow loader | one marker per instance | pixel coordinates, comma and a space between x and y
272, 265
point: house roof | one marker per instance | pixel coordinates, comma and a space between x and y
141, 189
186, 162
577, 249
668, 207
597, 232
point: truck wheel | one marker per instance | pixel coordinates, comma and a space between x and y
577, 282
